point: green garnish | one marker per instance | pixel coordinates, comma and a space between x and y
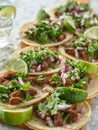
14, 85
60, 97
42, 14
56, 80
78, 65
61, 9
45, 32
93, 48
38, 56
51, 104
25, 86
28, 97
79, 42
40, 78
70, 3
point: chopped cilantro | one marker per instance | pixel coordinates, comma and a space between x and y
38, 56
78, 66
93, 48
51, 104
40, 78
56, 80
45, 32
28, 97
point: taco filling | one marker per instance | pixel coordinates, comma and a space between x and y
41, 59
84, 48
15, 89
73, 74
54, 111
81, 13
46, 31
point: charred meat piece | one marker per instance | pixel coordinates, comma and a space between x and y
45, 65
69, 81
7, 76
96, 56
73, 115
6, 82
17, 93
61, 37
84, 87
83, 55
89, 77
34, 66
48, 60
57, 119
15, 100
32, 91
31, 79
57, 14
70, 51
44, 80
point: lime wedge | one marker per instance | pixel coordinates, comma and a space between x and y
4, 10
16, 65
69, 24
16, 116
92, 32
72, 95
42, 14
91, 68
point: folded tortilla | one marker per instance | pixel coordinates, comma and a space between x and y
41, 95
38, 124
47, 72
62, 51
29, 42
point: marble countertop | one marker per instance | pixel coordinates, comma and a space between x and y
27, 10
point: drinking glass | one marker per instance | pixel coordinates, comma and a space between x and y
6, 25
7, 15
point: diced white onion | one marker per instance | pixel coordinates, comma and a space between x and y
63, 107
76, 53
39, 68
20, 81
49, 121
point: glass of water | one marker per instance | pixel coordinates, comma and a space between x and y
6, 25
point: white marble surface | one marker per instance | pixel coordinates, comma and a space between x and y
26, 10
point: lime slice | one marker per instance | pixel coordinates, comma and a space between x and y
4, 11
92, 32
72, 95
69, 24
16, 65
16, 116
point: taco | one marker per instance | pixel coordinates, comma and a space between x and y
82, 48
47, 33
74, 74
56, 113
40, 60
16, 91
81, 14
